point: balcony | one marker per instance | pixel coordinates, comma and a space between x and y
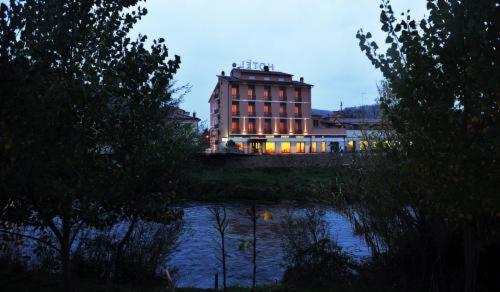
251, 114
236, 113
298, 131
237, 96
216, 111
298, 99
283, 114
251, 97
298, 115
282, 131
267, 114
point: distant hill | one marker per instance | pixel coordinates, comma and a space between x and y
372, 111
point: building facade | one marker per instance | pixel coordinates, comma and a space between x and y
267, 112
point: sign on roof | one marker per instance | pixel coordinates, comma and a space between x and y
252, 65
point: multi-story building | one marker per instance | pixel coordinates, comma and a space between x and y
267, 112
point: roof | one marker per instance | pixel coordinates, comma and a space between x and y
234, 79
263, 72
319, 112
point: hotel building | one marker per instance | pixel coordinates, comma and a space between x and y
263, 111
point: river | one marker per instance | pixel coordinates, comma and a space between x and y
196, 261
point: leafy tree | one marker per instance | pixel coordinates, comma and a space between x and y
84, 130
443, 75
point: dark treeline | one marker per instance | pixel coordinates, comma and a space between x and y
86, 136
428, 203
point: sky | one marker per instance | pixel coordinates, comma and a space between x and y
314, 39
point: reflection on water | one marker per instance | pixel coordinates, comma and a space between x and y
196, 258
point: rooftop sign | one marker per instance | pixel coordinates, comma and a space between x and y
252, 65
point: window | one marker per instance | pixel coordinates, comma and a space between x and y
282, 93
363, 145
270, 147
298, 94
251, 77
298, 127
234, 92
313, 147
282, 127
285, 147
297, 110
267, 92
282, 109
251, 92
239, 145
281, 79
316, 123
300, 147
267, 126
235, 111
323, 147
351, 146
235, 126
267, 78
251, 109
251, 126
267, 109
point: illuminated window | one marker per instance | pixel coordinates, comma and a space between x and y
297, 110
235, 126
234, 92
351, 146
251, 109
300, 147
282, 127
282, 93
285, 147
298, 126
282, 109
234, 109
363, 145
267, 109
313, 147
239, 145
267, 92
267, 126
323, 147
251, 126
251, 92
270, 147
298, 94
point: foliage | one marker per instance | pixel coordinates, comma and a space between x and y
429, 205
85, 138
311, 256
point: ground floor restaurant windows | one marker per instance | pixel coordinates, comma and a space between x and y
285, 147
363, 145
239, 145
270, 147
313, 147
300, 147
323, 147
351, 146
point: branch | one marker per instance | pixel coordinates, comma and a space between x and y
31, 237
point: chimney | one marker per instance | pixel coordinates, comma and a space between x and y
223, 73
266, 68
301, 79
194, 114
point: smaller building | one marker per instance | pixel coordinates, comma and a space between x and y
186, 118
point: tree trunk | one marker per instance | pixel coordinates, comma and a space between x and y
66, 255
119, 248
470, 258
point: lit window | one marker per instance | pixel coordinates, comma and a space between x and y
285, 147
270, 147
313, 147
234, 125
267, 92
239, 145
251, 109
282, 110
297, 110
282, 93
234, 92
298, 94
251, 126
323, 147
267, 109
250, 92
234, 109
267, 126
300, 147
282, 126
363, 145
298, 126
351, 146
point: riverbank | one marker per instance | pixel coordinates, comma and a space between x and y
267, 184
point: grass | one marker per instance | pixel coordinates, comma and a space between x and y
271, 184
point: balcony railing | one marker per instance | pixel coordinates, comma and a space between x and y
283, 114
251, 97
236, 113
267, 114
282, 131
237, 96
251, 114
283, 97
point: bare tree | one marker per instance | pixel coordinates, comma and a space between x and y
221, 224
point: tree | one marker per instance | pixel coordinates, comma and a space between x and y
443, 75
84, 138
221, 224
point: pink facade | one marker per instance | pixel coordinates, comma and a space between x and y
265, 112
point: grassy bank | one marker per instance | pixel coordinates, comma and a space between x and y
271, 184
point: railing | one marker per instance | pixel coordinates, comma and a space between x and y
237, 113
237, 96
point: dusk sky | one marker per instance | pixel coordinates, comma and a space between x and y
314, 39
